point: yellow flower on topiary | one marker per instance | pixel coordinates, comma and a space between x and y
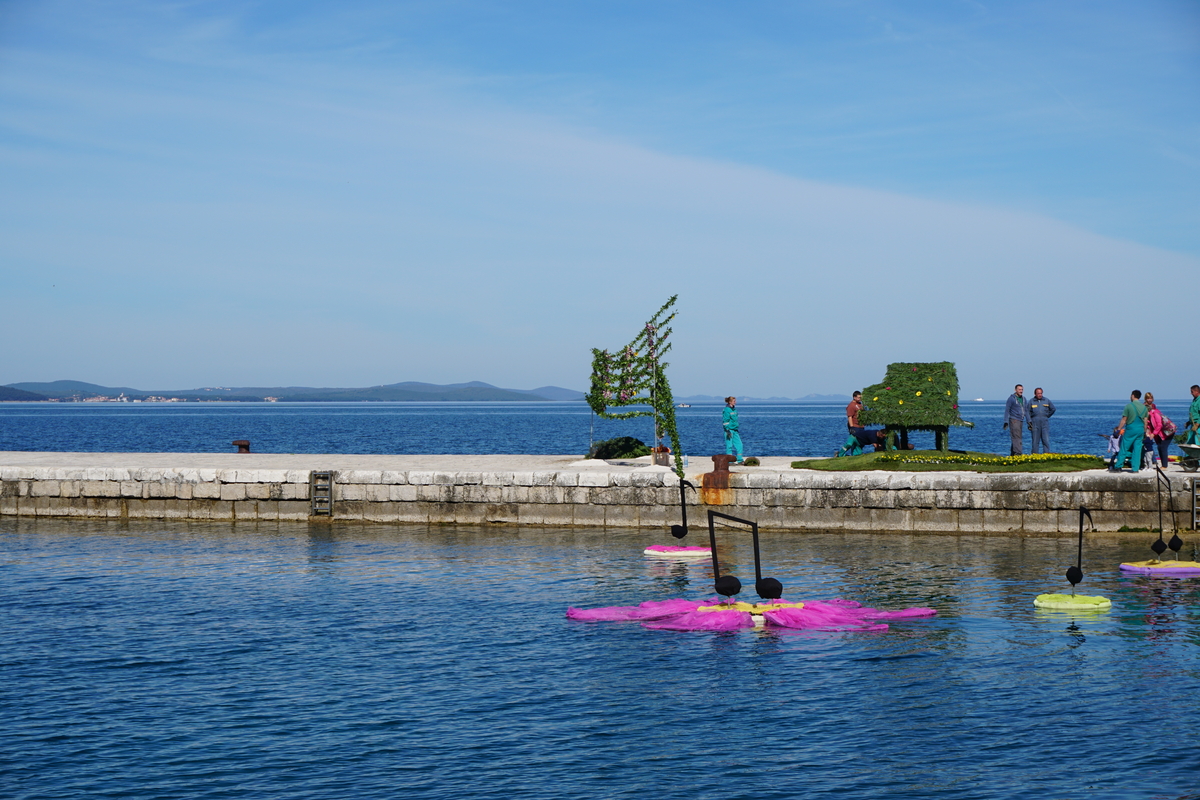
901, 402
918, 394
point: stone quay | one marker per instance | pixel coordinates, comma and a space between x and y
565, 491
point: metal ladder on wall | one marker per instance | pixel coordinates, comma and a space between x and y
1195, 502
320, 494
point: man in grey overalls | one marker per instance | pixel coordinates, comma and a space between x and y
1040, 412
1015, 418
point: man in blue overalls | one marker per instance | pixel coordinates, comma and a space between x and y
1040, 412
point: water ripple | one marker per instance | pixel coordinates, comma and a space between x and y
276, 661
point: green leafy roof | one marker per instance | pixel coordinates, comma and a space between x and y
917, 396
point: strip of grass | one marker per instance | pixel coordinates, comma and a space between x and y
934, 461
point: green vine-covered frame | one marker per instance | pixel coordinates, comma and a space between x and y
636, 375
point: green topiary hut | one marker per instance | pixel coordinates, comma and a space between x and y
915, 397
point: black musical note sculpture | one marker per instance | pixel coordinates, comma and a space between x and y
680, 531
1075, 573
1176, 544
728, 585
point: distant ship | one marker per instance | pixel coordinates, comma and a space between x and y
684, 405
978, 399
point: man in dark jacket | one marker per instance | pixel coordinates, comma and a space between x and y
1015, 417
1040, 412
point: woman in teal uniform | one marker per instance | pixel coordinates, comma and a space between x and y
729, 421
1133, 431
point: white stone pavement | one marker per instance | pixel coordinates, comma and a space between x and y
403, 463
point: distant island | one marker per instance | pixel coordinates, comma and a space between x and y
80, 392
409, 391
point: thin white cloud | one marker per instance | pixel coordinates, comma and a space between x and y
298, 222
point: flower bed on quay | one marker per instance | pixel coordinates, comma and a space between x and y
937, 461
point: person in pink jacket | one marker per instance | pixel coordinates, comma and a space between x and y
1154, 429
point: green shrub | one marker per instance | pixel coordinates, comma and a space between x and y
621, 447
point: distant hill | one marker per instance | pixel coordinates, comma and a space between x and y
66, 389
396, 394
9, 394
809, 398
410, 391
557, 393
406, 391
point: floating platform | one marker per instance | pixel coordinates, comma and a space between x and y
1173, 569
676, 551
1072, 602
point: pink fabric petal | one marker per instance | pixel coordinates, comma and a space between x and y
817, 616
703, 621
651, 609
904, 613
840, 615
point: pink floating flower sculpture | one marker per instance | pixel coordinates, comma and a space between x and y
691, 615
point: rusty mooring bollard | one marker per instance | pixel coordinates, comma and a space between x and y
714, 486
721, 463
243, 445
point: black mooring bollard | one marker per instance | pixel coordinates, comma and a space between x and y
243, 445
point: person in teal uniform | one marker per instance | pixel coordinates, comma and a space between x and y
729, 421
1133, 431
1193, 436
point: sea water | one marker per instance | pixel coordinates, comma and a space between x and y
549, 428
157, 660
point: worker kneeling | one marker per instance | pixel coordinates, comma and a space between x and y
863, 438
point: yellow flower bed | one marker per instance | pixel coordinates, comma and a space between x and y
958, 458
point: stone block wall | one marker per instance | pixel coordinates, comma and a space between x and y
967, 502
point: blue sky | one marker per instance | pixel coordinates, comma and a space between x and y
291, 193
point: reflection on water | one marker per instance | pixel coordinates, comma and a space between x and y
218, 660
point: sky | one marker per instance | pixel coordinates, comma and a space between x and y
300, 193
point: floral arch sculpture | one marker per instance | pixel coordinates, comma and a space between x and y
636, 376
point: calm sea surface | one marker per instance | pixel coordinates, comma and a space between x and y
291, 661
517, 428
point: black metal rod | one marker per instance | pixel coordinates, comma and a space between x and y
1079, 555
757, 558
683, 502
1158, 485
712, 545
